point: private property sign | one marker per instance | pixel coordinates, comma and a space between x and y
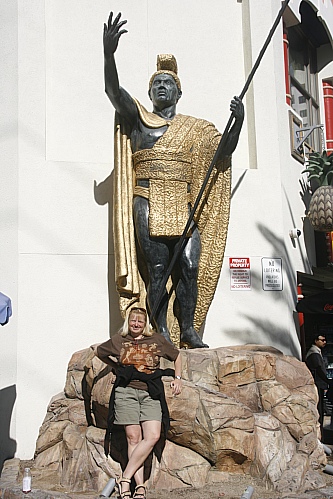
240, 274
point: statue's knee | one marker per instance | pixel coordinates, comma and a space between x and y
157, 271
190, 270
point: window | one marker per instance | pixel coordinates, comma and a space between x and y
304, 83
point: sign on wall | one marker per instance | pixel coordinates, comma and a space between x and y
240, 274
272, 274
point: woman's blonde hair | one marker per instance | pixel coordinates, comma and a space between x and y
125, 329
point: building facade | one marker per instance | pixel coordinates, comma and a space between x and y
56, 170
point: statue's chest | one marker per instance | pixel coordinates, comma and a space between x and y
143, 137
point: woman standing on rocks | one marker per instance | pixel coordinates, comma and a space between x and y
137, 400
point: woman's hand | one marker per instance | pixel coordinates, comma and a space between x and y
176, 386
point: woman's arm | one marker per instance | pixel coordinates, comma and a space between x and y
104, 354
176, 384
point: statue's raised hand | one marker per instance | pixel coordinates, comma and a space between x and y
112, 33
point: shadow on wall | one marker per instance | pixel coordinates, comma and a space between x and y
103, 194
263, 331
7, 444
279, 250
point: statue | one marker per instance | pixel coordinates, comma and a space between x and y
160, 162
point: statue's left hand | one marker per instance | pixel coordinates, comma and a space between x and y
237, 108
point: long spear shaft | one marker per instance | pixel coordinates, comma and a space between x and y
217, 154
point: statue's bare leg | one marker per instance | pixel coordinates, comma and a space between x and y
187, 289
156, 255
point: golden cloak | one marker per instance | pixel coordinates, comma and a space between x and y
212, 216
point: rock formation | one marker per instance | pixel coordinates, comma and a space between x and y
245, 409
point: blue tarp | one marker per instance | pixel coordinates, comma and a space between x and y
5, 309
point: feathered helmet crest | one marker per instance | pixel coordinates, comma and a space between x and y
166, 64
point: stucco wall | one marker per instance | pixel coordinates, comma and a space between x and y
60, 272
8, 224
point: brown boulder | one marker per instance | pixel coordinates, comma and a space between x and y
246, 409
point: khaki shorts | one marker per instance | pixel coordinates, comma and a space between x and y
131, 406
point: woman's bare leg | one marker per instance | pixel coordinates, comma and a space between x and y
134, 436
140, 444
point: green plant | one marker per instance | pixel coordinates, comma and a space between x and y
319, 166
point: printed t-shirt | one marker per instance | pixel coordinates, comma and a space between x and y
144, 354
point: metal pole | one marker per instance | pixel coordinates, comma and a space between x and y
213, 162
108, 489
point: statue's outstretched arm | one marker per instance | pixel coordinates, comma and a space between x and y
237, 109
120, 99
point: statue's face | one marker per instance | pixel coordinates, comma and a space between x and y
164, 91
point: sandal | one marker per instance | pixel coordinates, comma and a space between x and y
127, 493
139, 495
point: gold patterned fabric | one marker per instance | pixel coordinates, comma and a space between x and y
170, 173
186, 136
159, 164
168, 208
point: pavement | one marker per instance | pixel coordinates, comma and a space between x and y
10, 488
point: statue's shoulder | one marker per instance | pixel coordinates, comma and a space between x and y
200, 122
204, 130
149, 119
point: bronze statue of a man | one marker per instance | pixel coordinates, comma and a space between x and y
160, 162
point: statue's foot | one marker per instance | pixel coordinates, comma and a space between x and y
165, 333
191, 337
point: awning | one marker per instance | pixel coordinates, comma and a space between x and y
321, 303
313, 18
316, 29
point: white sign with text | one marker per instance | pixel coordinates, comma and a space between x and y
240, 274
272, 274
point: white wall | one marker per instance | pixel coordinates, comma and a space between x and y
63, 264
258, 225
8, 223
63, 232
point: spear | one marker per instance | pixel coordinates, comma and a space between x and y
217, 154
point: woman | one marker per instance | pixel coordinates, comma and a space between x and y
137, 399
